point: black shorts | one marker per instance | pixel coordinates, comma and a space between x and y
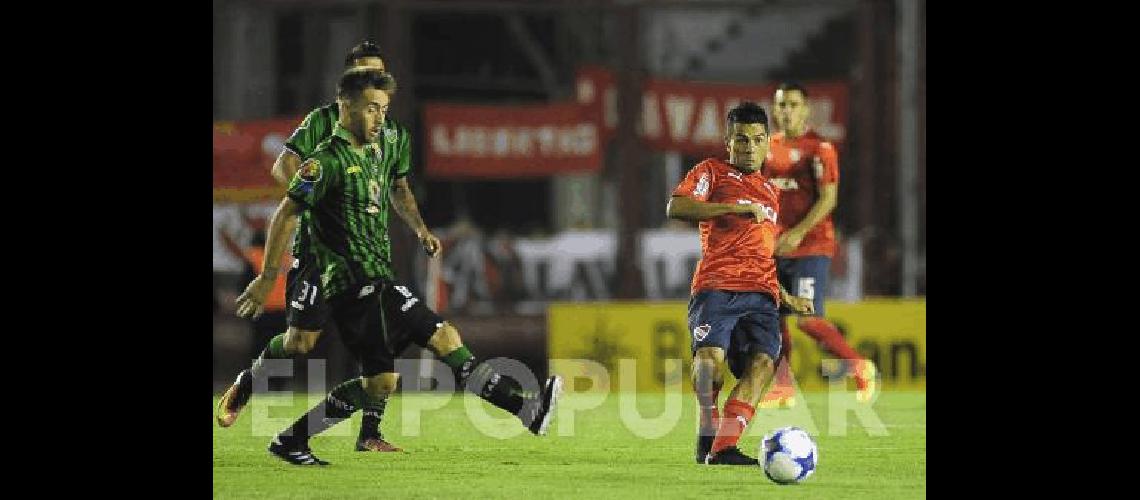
379, 320
306, 309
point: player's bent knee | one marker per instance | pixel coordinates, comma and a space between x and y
381, 385
706, 362
706, 376
299, 341
761, 362
709, 354
445, 339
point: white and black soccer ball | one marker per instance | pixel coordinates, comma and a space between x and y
789, 455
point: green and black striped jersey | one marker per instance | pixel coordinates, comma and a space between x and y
347, 194
316, 128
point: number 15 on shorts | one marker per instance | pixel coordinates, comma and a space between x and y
805, 289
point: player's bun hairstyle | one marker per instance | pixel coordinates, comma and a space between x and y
365, 49
355, 80
786, 86
747, 112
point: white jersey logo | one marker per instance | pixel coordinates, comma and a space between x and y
784, 183
768, 186
735, 175
702, 186
408, 305
769, 212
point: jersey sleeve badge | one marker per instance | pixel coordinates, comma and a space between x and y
310, 171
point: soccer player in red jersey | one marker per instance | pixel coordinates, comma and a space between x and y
733, 309
805, 168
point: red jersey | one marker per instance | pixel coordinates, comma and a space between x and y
736, 252
798, 167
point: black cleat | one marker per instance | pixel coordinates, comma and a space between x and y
235, 399
730, 456
295, 456
704, 446
537, 413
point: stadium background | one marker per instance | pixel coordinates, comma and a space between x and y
556, 244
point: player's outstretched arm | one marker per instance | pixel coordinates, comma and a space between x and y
405, 204
251, 302
685, 208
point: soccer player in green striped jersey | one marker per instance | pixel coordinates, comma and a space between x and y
307, 312
345, 185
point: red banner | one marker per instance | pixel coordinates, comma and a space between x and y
595, 89
243, 154
689, 116
498, 141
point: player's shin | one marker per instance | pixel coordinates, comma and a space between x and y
827, 334
783, 364
370, 419
275, 349
707, 392
481, 379
339, 405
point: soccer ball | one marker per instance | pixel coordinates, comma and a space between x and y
789, 455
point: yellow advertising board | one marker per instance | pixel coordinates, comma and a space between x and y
587, 338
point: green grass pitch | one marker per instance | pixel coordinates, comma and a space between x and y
614, 451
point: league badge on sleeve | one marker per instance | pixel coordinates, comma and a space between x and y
310, 171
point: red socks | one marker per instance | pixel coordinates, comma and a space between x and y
825, 333
737, 413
